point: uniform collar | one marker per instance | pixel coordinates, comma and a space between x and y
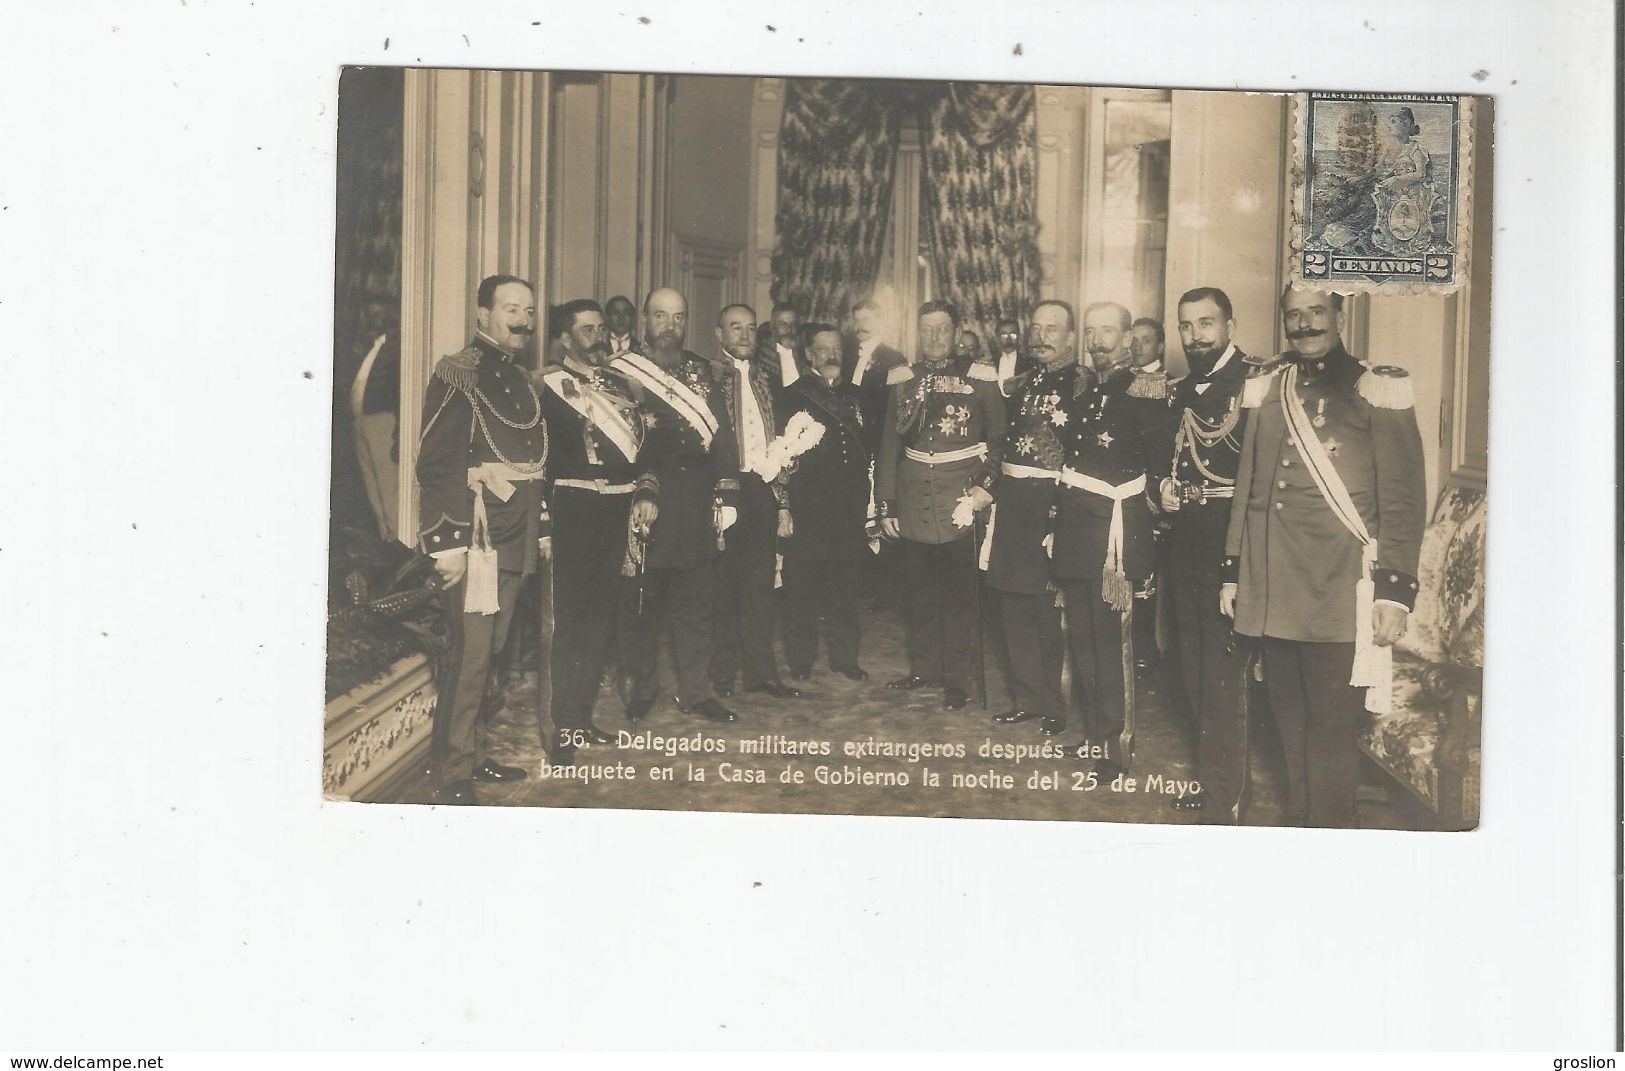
486, 342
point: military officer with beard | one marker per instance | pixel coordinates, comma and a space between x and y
943, 438
1020, 525
483, 518
743, 635
689, 447
1103, 542
829, 496
1322, 546
1196, 483
601, 496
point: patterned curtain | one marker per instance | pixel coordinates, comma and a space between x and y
979, 178
837, 162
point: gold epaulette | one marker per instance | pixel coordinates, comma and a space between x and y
900, 374
1152, 385
460, 369
1386, 386
1257, 386
986, 373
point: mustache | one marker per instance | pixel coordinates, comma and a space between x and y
598, 347
1305, 332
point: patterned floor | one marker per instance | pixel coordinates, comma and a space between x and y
839, 711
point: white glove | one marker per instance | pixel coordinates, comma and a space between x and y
727, 515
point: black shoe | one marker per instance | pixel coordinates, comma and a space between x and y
800, 674
910, 682
458, 794
495, 771
562, 755
598, 736
638, 709
724, 690
852, 673
1051, 726
775, 689
711, 710
954, 698
1014, 717
1107, 770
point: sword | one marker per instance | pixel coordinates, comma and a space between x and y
1125, 742
976, 608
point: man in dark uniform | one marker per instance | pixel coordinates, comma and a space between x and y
745, 570
481, 516
1322, 546
1019, 530
869, 362
1013, 367
621, 322
599, 494
1103, 542
1197, 476
943, 437
829, 496
689, 448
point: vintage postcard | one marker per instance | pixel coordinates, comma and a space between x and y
1383, 190
937, 449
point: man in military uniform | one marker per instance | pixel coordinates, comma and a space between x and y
743, 633
829, 497
482, 517
1148, 345
600, 495
943, 436
689, 448
1019, 529
870, 361
1196, 482
1322, 546
1103, 542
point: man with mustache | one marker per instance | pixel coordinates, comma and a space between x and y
829, 496
621, 323
786, 322
1103, 541
601, 495
482, 517
1322, 545
870, 362
1019, 529
941, 445
1011, 365
743, 633
689, 447
1196, 474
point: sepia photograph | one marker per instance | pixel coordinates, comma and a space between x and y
902, 447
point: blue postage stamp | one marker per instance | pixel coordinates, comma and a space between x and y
1382, 191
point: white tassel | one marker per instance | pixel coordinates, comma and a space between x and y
1373, 665
985, 555
480, 580
1387, 388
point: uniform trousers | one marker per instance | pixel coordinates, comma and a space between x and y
1035, 651
816, 589
943, 583
743, 631
1212, 660
680, 598
1318, 714
589, 548
458, 739
1095, 634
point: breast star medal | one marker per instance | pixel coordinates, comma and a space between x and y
1104, 439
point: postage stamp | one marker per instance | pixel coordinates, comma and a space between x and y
1382, 191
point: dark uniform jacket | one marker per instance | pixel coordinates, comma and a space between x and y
937, 409
872, 387
1296, 564
1202, 451
829, 490
481, 408
1114, 432
697, 470
1035, 440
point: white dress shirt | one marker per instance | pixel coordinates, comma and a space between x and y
866, 354
753, 428
788, 372
1224, 359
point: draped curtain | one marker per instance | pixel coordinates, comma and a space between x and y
837, 165
837, 162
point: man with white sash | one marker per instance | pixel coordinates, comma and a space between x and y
943, 437
482, 517
1015, 551
601, 496
1321, 553
690, 448
1103, 539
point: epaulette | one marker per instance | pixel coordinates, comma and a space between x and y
985, 373
1386, 387
1152, 385
900, 374
1257, 386
460, 369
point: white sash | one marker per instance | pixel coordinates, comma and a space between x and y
1373, 665
690, 406
1114, 585
598, 412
